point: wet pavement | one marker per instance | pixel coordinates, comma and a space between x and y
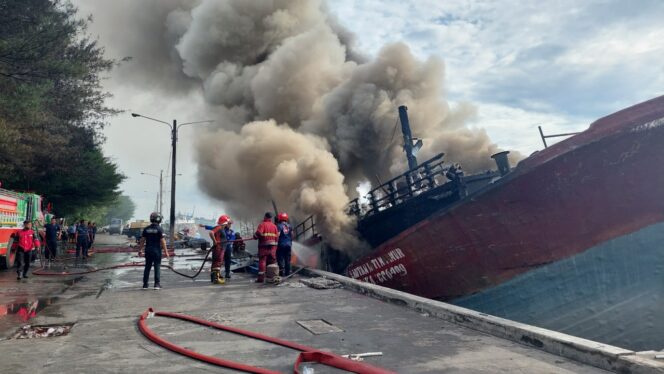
104, 307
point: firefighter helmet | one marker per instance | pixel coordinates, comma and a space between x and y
155, 217
282, 217
223, 220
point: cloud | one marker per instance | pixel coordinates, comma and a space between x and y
576, 59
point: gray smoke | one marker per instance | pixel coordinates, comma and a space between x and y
302, 114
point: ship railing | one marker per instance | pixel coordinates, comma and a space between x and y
426, 176
305, 229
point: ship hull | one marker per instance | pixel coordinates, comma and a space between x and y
599, 185
611, 293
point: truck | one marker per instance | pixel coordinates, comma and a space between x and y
115, 227
135, 229
16, 207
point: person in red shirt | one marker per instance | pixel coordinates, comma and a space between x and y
27, 241
219, 241
267, 235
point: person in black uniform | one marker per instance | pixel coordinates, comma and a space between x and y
153, 242
52, 233
82, 239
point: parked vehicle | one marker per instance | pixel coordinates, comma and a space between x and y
16, 207
115, 227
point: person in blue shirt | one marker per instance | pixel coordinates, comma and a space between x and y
284, 244
71, 233
52, 233
228, 253
82, 239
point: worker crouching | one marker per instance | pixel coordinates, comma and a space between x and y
267, 235
219, 242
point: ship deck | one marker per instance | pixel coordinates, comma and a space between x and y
105, 306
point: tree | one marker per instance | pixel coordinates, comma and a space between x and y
52, 107
123, 208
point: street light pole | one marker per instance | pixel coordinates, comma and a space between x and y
174, 141
161, 191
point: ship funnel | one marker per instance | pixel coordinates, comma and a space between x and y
502, 162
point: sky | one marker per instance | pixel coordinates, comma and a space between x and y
558, 64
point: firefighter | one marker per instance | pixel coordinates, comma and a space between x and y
284, 244
219, 241
267, 235
82, 239
52, 234
228, 249
153, 242
27, 242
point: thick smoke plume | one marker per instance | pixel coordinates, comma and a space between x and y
302, 114
265, 161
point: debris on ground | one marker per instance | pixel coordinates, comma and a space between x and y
291, 284
33, 332
361, 356
321, 283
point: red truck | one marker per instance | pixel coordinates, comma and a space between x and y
16, 207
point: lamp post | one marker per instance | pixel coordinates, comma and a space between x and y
174, 140
161, 177
161, 188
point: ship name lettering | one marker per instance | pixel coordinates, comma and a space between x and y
376, 264
387, 274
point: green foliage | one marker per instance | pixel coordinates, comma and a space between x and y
123, 208
52, 107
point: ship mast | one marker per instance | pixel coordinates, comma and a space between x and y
410, 146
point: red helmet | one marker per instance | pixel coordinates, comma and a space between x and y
223, 220
281, 217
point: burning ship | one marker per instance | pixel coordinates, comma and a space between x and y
440, 234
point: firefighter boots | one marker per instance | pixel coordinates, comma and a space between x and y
217, 278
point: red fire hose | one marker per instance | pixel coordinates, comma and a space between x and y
129, 264
41, 271
308, 354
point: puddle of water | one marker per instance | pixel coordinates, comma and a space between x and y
73, 281
25, 310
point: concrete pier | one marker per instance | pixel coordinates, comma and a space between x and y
104, 308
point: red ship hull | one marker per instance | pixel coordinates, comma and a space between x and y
575, 195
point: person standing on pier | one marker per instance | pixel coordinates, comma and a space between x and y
153, 242
27, 242
219, 241
82, 239
71, 233
228, 249
285, 244
92, 228
52, 233
267, 235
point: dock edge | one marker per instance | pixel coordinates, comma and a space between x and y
585, 351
